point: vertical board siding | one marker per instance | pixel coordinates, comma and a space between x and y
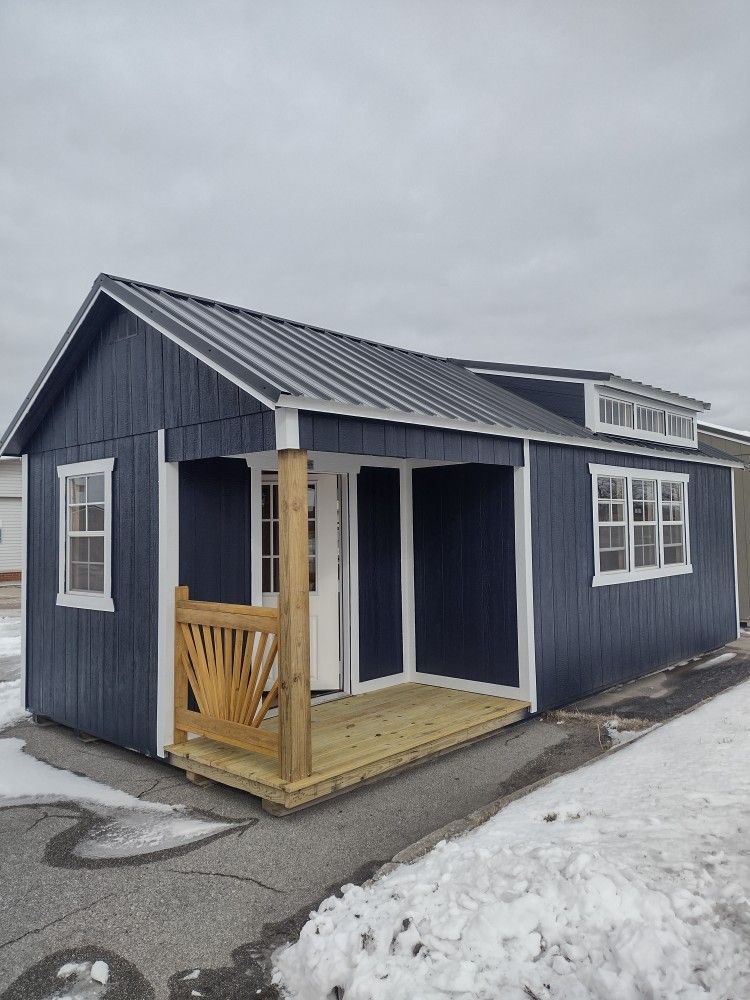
356, 436
565, 398
590, 638
379, 561
131, 380
214, 554
96, 670
464, 573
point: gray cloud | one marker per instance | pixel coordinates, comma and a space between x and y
553, 183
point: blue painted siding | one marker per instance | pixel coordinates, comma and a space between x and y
95, 670
590, 638
379, 559
465, 573
355, 436
215, 530
565, 398
131, 380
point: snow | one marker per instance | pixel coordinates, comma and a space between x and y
626, 879
100, 972
715, 661
83, 981
128, 827
11, 710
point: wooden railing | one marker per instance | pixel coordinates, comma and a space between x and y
224, 654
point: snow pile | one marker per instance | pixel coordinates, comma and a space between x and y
715, 661
10, 638
11, 710
129, 825
83, 980
626, 879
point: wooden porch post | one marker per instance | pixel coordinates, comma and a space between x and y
294, 617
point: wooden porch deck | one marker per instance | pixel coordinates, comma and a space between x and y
354, 740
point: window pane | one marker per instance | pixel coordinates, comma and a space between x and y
618, 511
274, 500
96, 549
611, 560
95, 488
76, 518
77, 489
603, 487
79, 576
265, 505
96, 578
604, 509
96, 517
79, 550
674, 555
311, 500
276, 577
266, 574
311, 571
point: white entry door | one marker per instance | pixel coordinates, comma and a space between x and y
323, 525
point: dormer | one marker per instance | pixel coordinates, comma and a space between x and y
606, 403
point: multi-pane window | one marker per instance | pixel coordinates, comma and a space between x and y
270, 536
673, 523
85, 535
645, 523
679, 426
613, 550
648, 418
615, 411
641, 524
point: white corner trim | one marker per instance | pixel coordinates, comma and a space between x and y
734, 558
71, 599
169, 541
24, 569
524, 579
408, 619
287, 428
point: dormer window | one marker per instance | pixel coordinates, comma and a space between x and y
626, 414
615, 411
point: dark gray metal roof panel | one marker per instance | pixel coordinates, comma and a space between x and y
283, 357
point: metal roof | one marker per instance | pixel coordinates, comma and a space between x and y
581, 375
275, 357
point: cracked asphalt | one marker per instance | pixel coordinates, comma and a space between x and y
223, 905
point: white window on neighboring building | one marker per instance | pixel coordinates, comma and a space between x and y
85, 544
640, 524
617, 412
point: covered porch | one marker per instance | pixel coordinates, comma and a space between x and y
247, 709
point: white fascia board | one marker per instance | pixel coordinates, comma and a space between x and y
729, 433
251, 390
395, 416
287, 428
63, 347
652, 392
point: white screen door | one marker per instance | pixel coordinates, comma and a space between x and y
323, 525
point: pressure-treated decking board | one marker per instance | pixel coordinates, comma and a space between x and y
356, 739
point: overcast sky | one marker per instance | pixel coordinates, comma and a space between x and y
556, 183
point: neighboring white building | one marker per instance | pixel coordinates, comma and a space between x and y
11, 518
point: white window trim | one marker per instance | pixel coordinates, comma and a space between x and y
90, 602
596, 424
633, 574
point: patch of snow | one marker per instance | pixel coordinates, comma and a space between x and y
625, 879
192, 975
100, 972
129, 826
619, 736
81, 982
11, 710
715, 661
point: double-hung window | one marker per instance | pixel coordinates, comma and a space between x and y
640, 524
85, 544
